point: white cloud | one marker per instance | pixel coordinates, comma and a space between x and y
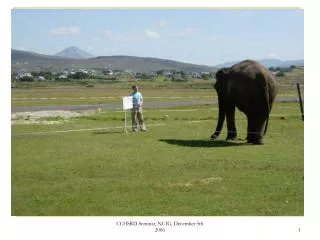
109, 35
97, 39
272, 55
187, 32
152, 34
90, 48
139, 37
216, 38
65, 31
163, 23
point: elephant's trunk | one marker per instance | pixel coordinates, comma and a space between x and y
222, 115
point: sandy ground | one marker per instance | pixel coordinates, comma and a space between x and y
38, 117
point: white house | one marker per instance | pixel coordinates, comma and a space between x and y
41, 78
107, 72
62, 77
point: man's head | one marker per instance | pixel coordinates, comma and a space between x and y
135, 88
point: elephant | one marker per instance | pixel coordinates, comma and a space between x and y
250, 87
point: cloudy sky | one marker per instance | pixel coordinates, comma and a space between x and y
208, 36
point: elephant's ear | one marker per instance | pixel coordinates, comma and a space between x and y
221, 73
220, 78
225, 70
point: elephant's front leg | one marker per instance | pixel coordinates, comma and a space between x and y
232, 131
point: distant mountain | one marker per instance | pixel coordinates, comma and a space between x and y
74, 53
268, 62
30, 61
147, 64
288, 63
20, 55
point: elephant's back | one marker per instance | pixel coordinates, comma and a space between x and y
249, 68
248, 83
252, 72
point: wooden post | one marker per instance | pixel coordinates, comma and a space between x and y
300, 100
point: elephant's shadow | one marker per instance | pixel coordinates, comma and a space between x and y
202, 143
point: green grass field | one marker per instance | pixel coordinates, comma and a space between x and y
170, 170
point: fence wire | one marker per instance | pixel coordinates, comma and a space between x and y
285, 89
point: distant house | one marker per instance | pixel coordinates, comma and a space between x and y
153, 74
62, 77
138, 74
177, 77
167, 73
205, 73
196, 75
83, 71
117, 72
107, 72
90, 72
41, 78
21, 75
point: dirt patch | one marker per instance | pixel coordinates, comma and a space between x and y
39, 117
203, 181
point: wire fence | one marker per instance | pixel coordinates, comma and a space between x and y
287, 89
241, 124
241, 120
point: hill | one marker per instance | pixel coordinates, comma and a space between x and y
268, 62
31, 61
74, 52
20, 56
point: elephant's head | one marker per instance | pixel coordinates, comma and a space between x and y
221, 79
221, 88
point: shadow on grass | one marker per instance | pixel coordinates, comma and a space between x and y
108, 132
202, 143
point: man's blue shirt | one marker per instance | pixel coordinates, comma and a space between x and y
136, 98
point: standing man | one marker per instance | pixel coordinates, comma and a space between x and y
136, 112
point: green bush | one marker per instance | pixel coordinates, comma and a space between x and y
280, 74
26, 79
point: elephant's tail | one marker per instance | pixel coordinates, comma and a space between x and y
263, 80
267, 105
266, 126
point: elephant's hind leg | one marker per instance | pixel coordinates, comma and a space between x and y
255, 126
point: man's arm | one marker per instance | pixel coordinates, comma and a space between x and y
141, 99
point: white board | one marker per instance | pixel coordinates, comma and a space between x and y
127, 102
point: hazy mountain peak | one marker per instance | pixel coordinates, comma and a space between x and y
74, 52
